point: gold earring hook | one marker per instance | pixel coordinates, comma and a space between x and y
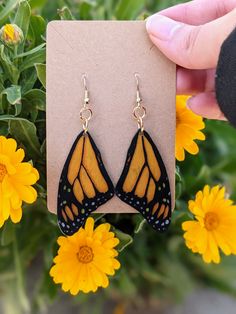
139, 111
138, 97
137, 81
85, 112
86, 92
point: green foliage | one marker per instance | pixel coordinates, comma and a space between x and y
41, 73
7, 9
153, 265
129, 9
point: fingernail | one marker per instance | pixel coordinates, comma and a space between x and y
161, 26
189, 102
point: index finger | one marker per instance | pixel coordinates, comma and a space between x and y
198, 12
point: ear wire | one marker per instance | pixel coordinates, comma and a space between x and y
85, 112
139, 111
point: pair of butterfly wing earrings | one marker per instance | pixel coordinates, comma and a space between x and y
85, 184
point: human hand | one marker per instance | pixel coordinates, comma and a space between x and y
191, 35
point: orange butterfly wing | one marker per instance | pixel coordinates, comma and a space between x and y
84, 184
144, 182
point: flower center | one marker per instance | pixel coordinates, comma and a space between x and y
85, 254
3, 172
211, 221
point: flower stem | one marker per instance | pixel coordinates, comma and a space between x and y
19, 277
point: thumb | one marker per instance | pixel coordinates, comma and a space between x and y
193, 47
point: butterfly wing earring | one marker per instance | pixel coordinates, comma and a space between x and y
144, 182
84, 183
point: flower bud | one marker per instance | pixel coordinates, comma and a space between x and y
11, 35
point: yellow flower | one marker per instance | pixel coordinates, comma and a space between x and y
188, 126
16, 178
85, 259
11, 34
214, 227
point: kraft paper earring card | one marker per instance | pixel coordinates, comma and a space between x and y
109, 53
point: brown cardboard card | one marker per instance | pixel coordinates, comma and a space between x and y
109, 53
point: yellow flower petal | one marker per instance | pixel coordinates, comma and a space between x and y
27, 179
18, 156
24, 168
9, 147
7, 189
27, 193
16, 202
89, 226
188, 129
115, 264
16, 178
5, 208
75, 286
2, 220
179, 153
16, 215
213, 248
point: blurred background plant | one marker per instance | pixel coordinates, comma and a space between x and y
154, 267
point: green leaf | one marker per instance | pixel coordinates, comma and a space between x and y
22, 20
129, 9
27, 80
1, 85
4, 104
36, 98
8, 233
125, 240
48, 253
139, 225
53, 219
10, 70
37, 29
178, 183
37, 3
13, 94
43, 149
41, 72
4, 128
85, 11
9, 7
65, 14
24, 132
98, 216
37, 57
30, 52
177, 175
